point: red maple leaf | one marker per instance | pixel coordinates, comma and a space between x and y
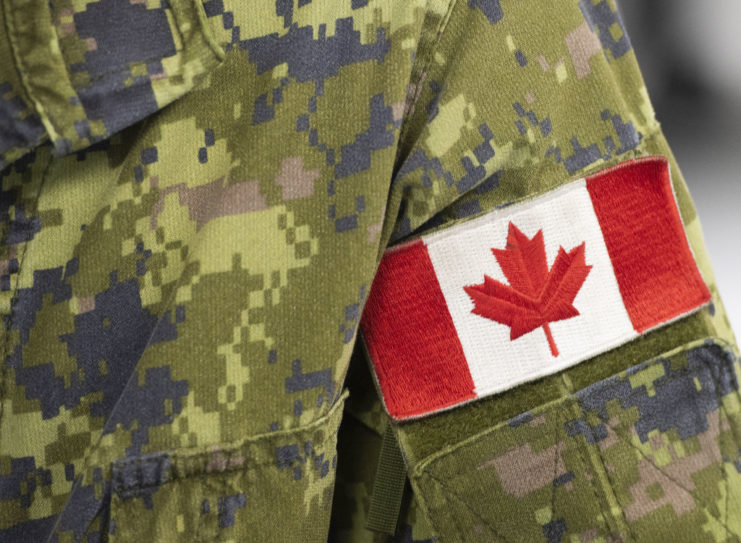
535, 295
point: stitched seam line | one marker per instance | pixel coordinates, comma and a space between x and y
126, 71
444, 486
201, 458
44, 115
607, 473
200, 474
602, 518
556, 442
175, 18
426, 61
664, 473
207, 31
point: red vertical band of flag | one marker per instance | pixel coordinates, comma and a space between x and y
412, 341
644, 236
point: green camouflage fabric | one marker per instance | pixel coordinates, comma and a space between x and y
194, 200
650, 454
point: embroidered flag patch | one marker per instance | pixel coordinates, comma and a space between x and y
528, 290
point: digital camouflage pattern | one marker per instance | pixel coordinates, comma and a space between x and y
195, 196
648, 455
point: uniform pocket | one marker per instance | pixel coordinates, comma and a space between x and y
229, 492
649, 454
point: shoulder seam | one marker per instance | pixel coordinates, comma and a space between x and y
426, 57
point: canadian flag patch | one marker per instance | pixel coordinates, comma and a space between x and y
528, 290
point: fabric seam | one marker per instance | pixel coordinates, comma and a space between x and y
426, 60
444, 486
602, 502
183, 472
204, 30
10, 24
207, 31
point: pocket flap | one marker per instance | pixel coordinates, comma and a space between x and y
645, 455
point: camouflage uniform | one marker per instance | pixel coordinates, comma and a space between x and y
195, 197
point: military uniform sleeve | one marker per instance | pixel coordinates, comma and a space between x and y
511, 107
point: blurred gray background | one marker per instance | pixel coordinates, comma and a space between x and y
690, 56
